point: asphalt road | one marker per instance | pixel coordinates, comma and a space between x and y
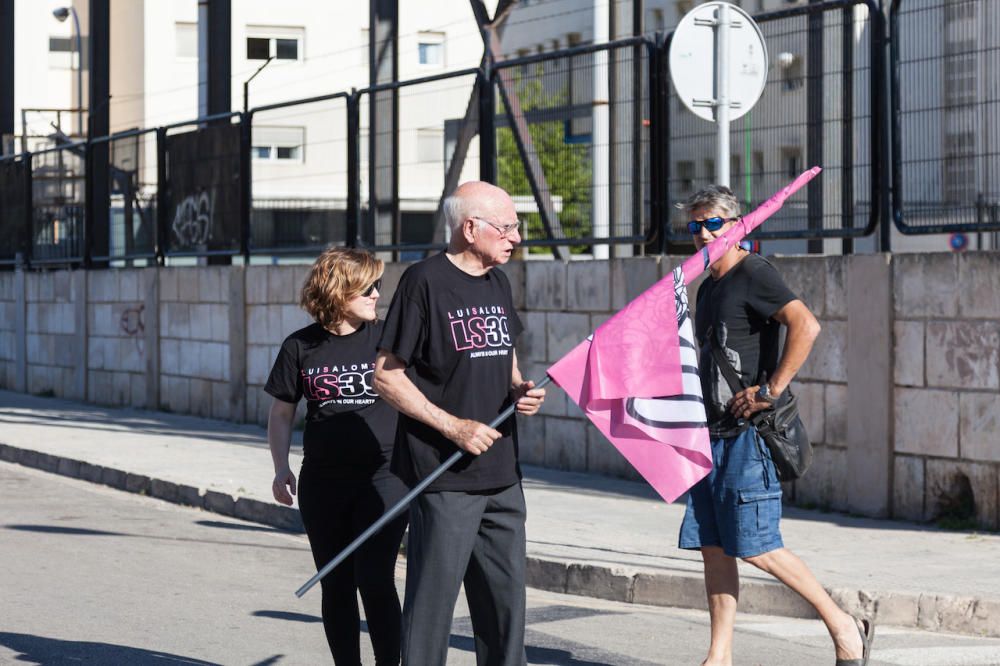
93, 575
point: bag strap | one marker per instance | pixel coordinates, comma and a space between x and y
728, 371
735, 381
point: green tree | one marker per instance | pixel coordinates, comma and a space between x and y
567, 166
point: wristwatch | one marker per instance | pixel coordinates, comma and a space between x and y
764, 394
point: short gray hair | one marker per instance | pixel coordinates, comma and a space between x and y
455, 212
713, 196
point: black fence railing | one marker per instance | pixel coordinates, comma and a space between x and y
946, 115
819, 107
369, 167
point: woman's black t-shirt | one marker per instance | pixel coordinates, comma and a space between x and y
349, 430
456, 334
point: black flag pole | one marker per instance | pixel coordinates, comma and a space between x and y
403, 503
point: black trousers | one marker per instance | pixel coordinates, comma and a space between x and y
334, 512
478, 539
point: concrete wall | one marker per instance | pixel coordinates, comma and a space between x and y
9, 335
901, 394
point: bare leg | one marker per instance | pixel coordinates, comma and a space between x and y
784, 565
722, 585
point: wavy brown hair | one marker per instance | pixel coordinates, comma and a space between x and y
338, 275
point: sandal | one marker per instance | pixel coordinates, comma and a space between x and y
867, 630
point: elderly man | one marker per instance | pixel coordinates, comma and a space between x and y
734, 512
447, 363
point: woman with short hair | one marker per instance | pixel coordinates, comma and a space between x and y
345, 484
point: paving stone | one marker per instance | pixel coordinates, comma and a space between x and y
977, 274
565, 444
908, 353
828, 359
963, 354
588, 286
945, 486
630, 277
598, 581
924, 285
806, 276
979, 426
531, 439
908, 488
565, 331
926, 422
545, 285
531, 344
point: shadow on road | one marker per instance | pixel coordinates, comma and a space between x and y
42, 650
286, 615
83, 531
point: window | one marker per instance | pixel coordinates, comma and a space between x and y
61, 52
430, 49
279, 43
791, 161
957, 10
791, 72
685, 176
960, 167
186, 40
430, 145
278, 144
657, 19
709, 165
683, 7
960, 68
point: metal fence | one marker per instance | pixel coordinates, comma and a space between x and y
819, 107
591, 142
571, 143
946, 115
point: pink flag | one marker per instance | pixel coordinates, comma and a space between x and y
636, 378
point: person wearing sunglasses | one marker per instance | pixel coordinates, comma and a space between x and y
447, 363
345, 483
735, 511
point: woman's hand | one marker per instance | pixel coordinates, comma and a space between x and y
283, 486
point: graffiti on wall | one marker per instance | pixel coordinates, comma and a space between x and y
192, 225
131, 324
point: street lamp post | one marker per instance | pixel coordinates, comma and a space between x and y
246, 84
61, 14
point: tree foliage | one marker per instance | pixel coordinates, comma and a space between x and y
566, 166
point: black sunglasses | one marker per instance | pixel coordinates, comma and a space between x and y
712, 223
377, 284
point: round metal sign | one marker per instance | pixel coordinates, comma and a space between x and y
692, 61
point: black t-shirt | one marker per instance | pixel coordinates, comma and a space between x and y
456, 334
349, 430
737, 309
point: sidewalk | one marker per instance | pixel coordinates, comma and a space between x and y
587, 535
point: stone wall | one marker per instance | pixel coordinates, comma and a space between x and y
947, 386
117, 346
271, 314
901, 393
197, 344
55, 333
9, 338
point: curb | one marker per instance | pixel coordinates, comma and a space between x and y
947, 613
245, 508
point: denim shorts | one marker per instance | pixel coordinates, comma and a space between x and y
738, 505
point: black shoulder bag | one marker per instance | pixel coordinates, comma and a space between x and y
779, 426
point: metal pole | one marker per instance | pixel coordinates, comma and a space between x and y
353, 169
600, 150
79, 74
403, 503
246, 84
722, 95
